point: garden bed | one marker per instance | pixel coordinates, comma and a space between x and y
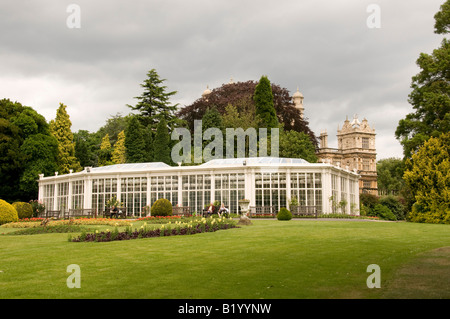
179, 228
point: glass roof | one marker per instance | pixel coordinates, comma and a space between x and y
254, 161
129, 167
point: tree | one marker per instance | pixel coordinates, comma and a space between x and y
390, 176
295, 144
161, 144
240, 95
264, 107
113, 126
430, 95
27, 149
41, 152
86, 148
442, 19
243, 116
154, 102
119, 152
134, 142
428, 177
105, 154
60, 129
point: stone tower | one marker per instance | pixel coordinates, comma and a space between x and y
356, 151
297, 98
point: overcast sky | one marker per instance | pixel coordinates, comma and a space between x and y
325, 48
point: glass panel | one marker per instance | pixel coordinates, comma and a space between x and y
225, 181
318, 180
309, 180
258, 198
199, 181
301, 180
283, 201
218, 181
274, 180
294, 180
258, 180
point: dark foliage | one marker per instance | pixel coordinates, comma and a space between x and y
242, 92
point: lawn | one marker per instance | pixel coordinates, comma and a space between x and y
269, 259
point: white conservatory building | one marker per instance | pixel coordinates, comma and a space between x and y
265, 181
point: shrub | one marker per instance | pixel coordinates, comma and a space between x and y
38, 207
8, 213
24, 210
394, 204
284, 214
363, 210
383, 212
368, 200
162, 207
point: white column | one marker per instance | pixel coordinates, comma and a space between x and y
348, 193
288, 187
87, 200
119, 188
250, 186
148, 188
326, 191
213, 186
180, 189
55, 203
69, 199
41, 189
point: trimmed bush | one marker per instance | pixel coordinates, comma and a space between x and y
24, 210
383, 212
284, 214
162, 207
8, 213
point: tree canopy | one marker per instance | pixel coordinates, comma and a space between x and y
240, 95
430, 96
60, 128
154, 103
264, 109
134, 142
27, 149
428, 178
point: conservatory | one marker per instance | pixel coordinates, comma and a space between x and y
264, 181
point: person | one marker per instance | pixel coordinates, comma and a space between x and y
223, 209
114, 211
210, 210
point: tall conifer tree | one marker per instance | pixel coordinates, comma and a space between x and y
105, 154
264, 107
154, 103
60, 128
134, 142
118, 154
161, 144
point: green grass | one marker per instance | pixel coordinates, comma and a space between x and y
269, 259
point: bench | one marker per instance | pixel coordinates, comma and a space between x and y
181, 211
216, 210
82, 212
50, 214
309, 211
120, 213
259, 211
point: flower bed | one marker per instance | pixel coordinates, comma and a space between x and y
36, 222
178, 228
161, 219
48, 229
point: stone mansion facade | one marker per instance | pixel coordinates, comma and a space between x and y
356, 151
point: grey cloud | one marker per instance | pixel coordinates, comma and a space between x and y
324, 47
